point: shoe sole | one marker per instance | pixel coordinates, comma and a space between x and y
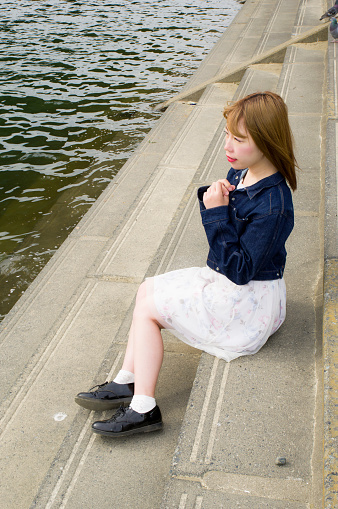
101, 405
144, 429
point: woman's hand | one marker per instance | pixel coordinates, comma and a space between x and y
217, 194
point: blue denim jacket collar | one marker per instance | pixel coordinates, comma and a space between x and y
272, 180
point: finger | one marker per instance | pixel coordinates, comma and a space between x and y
226, 190
227, 184
229, 187
224, 182
218, 188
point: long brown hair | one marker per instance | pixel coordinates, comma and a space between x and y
265, 117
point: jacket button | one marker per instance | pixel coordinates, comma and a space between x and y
277, 274
217, 268
233, 199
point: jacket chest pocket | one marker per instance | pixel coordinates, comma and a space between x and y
240, 223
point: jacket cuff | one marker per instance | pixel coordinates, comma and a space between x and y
215, 214
200, 194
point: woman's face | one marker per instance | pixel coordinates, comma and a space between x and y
241, 151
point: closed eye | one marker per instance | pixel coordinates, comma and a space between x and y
240, 140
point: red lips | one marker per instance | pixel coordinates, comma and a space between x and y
231, 160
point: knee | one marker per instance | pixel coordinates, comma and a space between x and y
141, 296
141, 300
143, 309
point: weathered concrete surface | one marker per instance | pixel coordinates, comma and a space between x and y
69, 330
274, 55
242, 416
330, 315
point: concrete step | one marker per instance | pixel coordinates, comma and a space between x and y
243, 415
330, 306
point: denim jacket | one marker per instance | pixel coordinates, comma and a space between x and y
247, 237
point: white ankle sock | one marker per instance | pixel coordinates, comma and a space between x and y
142, 404
124, 377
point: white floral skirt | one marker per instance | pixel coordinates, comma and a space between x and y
208, 311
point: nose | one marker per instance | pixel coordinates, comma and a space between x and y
228, 145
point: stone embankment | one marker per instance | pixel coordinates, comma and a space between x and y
225, 424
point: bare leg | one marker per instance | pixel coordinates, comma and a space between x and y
144, 353
128, 362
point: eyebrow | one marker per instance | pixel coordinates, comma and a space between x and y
235, 135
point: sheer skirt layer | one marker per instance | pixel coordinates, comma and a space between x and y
208, 311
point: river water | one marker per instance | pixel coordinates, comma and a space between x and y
78, 80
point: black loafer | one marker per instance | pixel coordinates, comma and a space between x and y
128, 422
106, 396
